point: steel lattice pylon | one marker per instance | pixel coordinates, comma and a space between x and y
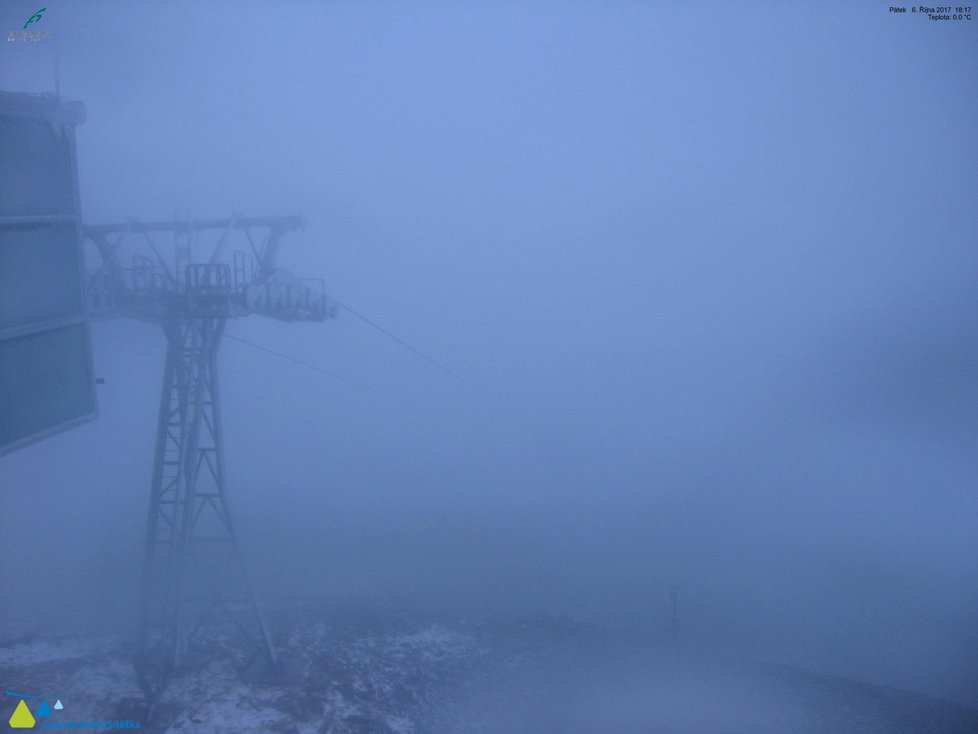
192, 563
193, 572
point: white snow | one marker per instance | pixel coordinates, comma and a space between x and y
49, 651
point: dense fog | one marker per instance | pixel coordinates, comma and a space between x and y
694, 287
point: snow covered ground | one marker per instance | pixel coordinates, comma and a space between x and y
353, 672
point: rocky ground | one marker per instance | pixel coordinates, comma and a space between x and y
385, 672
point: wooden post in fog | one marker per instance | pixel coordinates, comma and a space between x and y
674, 620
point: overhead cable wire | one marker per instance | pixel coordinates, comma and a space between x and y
308, 365
404, 344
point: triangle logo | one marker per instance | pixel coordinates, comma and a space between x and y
22, 717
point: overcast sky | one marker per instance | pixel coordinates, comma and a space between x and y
707, 270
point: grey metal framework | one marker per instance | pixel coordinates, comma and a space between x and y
193, 573
46, 372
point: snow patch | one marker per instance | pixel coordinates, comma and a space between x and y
50, 651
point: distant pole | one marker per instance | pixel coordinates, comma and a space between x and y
57, 67
674, 621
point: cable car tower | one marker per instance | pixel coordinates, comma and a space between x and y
192, 571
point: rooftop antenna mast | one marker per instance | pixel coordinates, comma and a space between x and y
193, 573
57, 68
